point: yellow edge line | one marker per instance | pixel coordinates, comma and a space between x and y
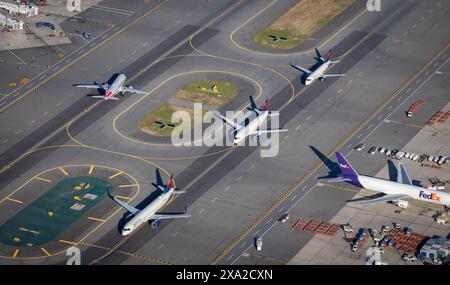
45, 251
96, 219
16, 252
13, 200
63, 171
127, 185
43, 179
66, 241
115, 175
123, 197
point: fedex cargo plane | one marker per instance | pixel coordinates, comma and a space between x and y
393, 190
112, 90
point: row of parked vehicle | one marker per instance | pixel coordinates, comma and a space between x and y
398, 154
381, 239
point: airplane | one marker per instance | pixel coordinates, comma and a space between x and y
393, 191
150, 212
319, 72
252, 128
112, 90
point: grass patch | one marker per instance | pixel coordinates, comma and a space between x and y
162, 114
201, 92
300, 22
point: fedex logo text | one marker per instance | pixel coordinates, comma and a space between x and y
344, 166
431, 196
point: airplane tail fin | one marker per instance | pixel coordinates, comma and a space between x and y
346, 168
266, 105
170, 183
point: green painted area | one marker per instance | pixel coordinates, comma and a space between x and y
203, 92
33, 226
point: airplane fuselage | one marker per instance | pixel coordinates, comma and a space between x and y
395, 188
317, 73
145, 214
115, 87
252, 126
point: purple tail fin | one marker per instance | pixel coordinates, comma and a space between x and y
346, 168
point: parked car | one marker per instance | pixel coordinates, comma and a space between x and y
409, 257
372, 150
379, 250
381, 150
399, 154
354, 247
258, 243
284, 218
430, 158
360, 147
396, 226
388, 152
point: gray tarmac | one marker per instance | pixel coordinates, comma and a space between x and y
238, 185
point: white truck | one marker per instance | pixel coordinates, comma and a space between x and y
258, 243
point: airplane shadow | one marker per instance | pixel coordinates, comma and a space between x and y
333, 167
393, 172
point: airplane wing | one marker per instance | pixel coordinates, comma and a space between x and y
403, 176
228, 121
168, 216
132, 90
385, 198
91, 86
301, 68
128, 207
332, 75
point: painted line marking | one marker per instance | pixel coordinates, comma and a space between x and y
96, 219
13, 200
269, 221
201, 211
123, 197
243, 244
127, 185
63, 171
43, 179
91, 169
66, 241
115, 175
226, 189
16, 252
45, 251
251, 167
292, 199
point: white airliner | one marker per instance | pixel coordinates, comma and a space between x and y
252, 127
150, 211
393, 190
319, 72
112, 90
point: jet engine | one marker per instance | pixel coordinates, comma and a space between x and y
155, 224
